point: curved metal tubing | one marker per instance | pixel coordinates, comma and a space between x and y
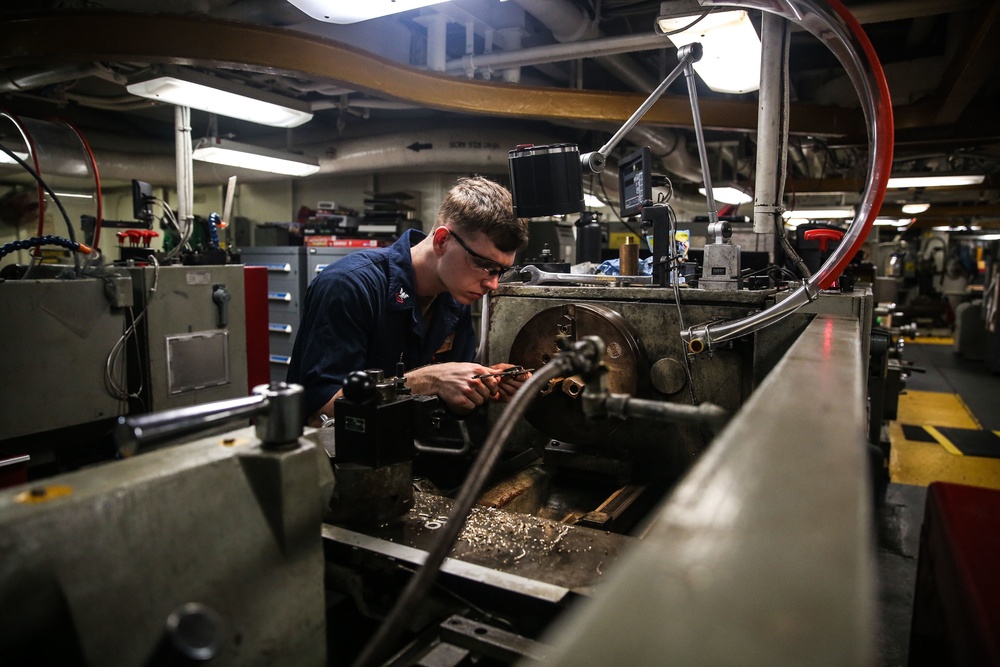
832, 24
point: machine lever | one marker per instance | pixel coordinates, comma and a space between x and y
277, 408
535, 276
220, 295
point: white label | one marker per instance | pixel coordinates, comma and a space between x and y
199, 277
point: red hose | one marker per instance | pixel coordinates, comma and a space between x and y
884, 117
97, 181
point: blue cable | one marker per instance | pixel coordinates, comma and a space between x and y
213, 220
36, 241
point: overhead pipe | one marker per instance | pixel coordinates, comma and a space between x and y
437, 41
552, 53
422, 149
567, 21
772, 124
570, 23
20, 79
460, 148
319, 105
670, 146
184, 166
512, 40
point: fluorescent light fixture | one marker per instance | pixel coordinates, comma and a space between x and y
958, 228
893, 222
935, 181
914, 209
592, 201
731, 63
353, 11
226, 98
728, 195
73, 195
820, 214
233, 154
6, 159
990, 237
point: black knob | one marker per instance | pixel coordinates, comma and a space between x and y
359, 387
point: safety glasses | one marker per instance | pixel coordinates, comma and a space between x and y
492, 268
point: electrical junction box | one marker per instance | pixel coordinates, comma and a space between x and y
55, 350
192, 336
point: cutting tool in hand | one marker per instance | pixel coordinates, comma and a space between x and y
516, 370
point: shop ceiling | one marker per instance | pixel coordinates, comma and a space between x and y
370, 82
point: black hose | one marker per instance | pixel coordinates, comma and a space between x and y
420, 584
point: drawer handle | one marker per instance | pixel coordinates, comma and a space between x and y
275, 268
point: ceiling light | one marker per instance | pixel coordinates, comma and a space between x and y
226, 98
73, 195
894, 222
353, 11
935, 181
233, 154
820, 214
913, 209
728, 195
990, 237
592, 201
731, 63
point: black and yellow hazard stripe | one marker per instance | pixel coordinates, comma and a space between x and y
937, 438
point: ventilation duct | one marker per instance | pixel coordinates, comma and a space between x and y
459, 149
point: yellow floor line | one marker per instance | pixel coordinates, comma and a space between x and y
935, 408
943, 441
931, 340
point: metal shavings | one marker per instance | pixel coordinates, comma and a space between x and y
497, 536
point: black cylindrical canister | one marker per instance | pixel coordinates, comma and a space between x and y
588, 238
546, 180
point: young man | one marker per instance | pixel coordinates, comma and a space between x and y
411, 301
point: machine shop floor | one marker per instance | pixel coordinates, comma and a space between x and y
954, 401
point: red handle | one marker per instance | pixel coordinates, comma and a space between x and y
823, 235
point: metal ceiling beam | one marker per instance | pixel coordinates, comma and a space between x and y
99, 36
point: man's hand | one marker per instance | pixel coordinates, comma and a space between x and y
508, 385
453, 383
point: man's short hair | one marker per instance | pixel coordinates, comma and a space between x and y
477, 204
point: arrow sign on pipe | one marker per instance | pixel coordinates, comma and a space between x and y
417, 147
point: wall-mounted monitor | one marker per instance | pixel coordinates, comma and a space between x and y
142, 201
